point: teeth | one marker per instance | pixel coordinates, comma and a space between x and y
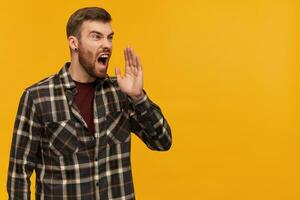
104, 56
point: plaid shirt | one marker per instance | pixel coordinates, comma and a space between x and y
51, 137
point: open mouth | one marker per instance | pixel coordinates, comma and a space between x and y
103, 59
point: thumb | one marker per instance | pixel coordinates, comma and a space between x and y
117, 72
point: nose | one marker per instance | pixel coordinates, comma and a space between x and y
106, 43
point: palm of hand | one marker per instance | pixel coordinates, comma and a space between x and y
132, 81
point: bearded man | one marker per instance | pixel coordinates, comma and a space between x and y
73, 128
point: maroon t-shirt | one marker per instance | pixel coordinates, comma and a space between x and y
84, 101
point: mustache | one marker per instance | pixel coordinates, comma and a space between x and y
106, 50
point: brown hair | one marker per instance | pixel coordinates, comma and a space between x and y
89, 13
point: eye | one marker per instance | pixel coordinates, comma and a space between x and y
110, 38
97, 36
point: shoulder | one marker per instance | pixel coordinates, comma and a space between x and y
40, 88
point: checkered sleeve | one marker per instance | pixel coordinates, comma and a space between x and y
149, 124
24, 146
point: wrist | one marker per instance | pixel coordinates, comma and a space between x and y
136, 98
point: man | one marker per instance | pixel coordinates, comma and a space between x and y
73, 128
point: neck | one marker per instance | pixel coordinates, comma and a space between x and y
78, 73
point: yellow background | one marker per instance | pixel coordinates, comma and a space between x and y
225, 73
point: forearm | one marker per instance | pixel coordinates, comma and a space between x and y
150, 125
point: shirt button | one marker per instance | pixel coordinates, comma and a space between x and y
97, 183
96, 159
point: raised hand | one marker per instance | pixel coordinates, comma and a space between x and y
132, 82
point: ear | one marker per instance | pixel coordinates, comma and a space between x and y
73, 42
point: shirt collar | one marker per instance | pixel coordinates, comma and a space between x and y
67, 80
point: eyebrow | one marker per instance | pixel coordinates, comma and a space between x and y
97, 32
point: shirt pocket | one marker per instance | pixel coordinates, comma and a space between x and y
118, 126
62, 137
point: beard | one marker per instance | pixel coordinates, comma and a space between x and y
88, 61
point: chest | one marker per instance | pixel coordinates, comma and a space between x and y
66, 132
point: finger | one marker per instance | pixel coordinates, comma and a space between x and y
134, 71
133, 56
131, 53
139, 63
126, 58
117, 72
127, 69
129, 56
127, 63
